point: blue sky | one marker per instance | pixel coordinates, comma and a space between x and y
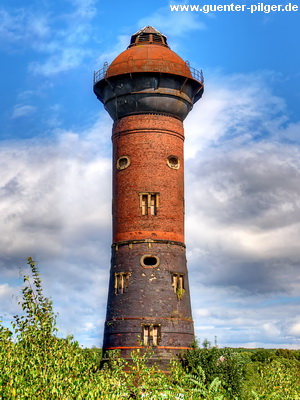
242, 163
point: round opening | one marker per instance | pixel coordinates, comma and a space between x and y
123, 162
173, 162
149, 261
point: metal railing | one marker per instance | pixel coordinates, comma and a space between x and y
197, 74
148, 66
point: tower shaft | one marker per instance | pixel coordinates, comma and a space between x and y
148, 301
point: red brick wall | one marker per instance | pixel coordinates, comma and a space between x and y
148, 140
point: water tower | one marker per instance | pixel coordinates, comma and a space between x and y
148, 90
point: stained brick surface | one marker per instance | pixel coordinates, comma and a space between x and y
149, 299
148, 140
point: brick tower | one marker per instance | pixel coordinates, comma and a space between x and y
148, 90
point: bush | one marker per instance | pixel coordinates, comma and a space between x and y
263, 355
226, 364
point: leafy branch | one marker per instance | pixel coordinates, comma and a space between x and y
39, 318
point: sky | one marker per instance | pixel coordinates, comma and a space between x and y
242, 163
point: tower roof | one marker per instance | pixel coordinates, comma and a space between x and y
148, 35
148, 52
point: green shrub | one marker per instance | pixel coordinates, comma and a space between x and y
263, 355
226, 364
285, 353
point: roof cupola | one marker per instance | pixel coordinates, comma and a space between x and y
148, 35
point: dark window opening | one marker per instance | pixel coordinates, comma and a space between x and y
123, 162
149, 261
121, 282
178, 285
144, 37
151, 335
157, 38
144, 204
173, 162
149, 203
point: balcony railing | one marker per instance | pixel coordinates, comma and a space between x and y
148, 66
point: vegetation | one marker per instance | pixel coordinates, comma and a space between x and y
36, 364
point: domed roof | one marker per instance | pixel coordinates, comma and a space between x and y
148, 52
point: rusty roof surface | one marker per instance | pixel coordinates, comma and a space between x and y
148, 58
148, 52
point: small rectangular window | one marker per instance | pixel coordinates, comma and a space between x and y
155, 335
149, 203
178, 284
146, 331
144, 204
151, 335
121, 282
153, 204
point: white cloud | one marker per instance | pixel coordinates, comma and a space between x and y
64, 60
10, 25
242, 214
38, 26
271, 330
62, 41
21, 25
295, 329
87, 326
9, 295
202, 312
5, 291
23, 110
242, 320
85, 9
47, 196
233, 109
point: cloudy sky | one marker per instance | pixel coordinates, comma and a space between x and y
242, 163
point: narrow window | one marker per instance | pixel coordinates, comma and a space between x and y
153, 204
151, 335
144, 204
149, 203
121, 282
155, 335
178, 285
146, 331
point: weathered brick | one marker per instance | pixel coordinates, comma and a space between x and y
148, 140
